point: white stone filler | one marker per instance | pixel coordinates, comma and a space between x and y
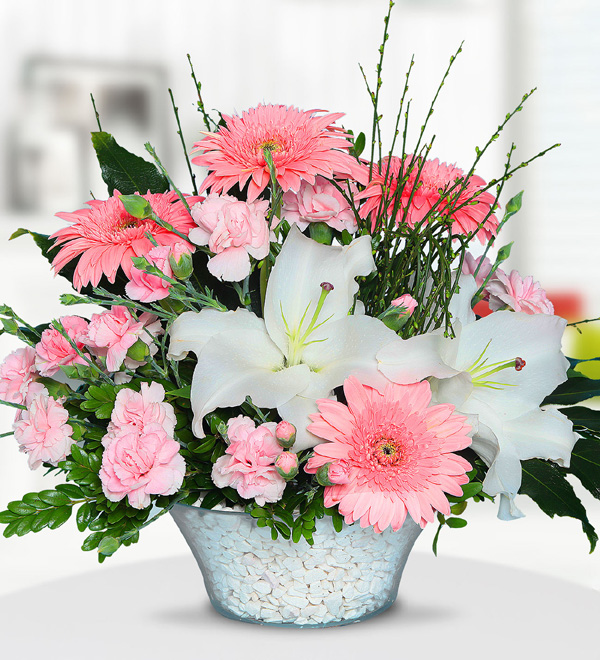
343, 577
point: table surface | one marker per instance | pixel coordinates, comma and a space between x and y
159, 609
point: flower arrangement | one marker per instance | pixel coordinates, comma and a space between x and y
305, 334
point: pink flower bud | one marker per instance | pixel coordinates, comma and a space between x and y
334, 473
287, 465
399, 311
339, 472
407, 302
285, 433
180, 260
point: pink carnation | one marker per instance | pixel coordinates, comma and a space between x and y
150, 288
137, 410
54, 350
521, 295
233, 230
395, 452
111, 334
17, 372
42, 430
249, 462
319, 202
470, 265
138, 465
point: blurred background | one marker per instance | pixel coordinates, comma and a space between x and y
303, 53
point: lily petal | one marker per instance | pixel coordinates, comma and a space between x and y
240, 363
503, 336
192, 330
295, 282
406, 361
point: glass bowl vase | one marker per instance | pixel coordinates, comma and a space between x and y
345, 577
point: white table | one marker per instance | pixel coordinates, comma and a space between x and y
159, 610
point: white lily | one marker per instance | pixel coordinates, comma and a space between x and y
497, 370
306, 345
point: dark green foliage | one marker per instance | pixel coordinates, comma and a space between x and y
547, 486
124, 171
575, 389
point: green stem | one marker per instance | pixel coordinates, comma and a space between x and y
96, 113
201, 108
12, 405
152, 151
180, 133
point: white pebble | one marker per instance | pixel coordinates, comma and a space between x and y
262, 587
296, 601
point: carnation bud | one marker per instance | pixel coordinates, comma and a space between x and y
181, 264
287, 465
333, 473
285, 434
138, 351
322, 475
170, 305
399, 311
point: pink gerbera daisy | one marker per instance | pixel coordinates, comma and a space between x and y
105, 236
419, 197
396, 453
303, 145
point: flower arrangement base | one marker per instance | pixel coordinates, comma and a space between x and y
345, 577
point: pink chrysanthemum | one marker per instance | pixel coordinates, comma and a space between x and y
105, 236
518, 293
434, 179
303, 145
395, 451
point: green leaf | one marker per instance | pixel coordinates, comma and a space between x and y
581, 416
71, 490
59, 516
545, 483
92, 541
456, 523
7, 517
20, 508
184, 392
574, 390
41, 520
84, 515
211, 499
80, 456
54, 498
359, 145
125, 171
585, 463
283, 529
108, 546
115, 516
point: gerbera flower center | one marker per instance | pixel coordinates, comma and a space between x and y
387, 451
272, 145
126, 221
